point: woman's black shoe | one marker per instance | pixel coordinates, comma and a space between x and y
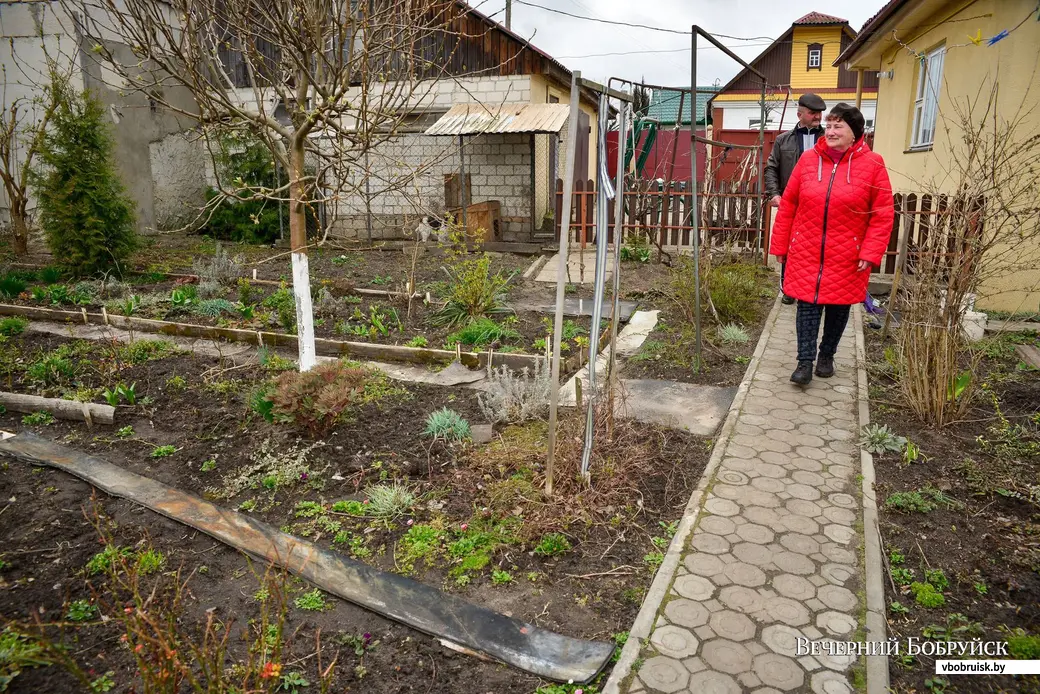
787, 300
825, 367
803, 374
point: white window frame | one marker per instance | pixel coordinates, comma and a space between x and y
926, 98
815, 58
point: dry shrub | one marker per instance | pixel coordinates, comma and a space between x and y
627, 470
315, 399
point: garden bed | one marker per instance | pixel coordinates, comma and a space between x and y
466, 519
959, 512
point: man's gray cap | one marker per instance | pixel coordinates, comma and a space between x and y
812, 102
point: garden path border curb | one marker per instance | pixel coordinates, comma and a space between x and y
644, 621
876, 624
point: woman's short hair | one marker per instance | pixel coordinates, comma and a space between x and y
851, 116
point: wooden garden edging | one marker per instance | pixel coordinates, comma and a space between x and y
260, 338
89, 412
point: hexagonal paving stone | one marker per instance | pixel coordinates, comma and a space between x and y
839, 662
843, 500
762, 516
800, 544
717, 525
782, 639
741, 599
721, 507
694, 587
712, 544
794, 563
827, 682
799, 524
727, 656
703, 564
787, 611
686, 613
837, 574
749, 553
803, 491
838, 554
836, 623
753, 532
804, 507
709, 682
805, 477
839, 533
768, 484
841, 516
733, 477
794, 587
837, 598
766, 690
732, 625
674, 642
745, 574
779, 671
664, 674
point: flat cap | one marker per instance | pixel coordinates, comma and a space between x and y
812, 102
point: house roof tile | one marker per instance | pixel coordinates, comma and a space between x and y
820, 18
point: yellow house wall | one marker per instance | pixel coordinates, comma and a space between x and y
967, 72
827, 76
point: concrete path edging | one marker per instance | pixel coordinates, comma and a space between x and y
877, 665
644, 621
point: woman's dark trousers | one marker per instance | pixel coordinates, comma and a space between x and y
835, 318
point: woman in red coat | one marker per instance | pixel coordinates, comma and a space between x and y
833, 226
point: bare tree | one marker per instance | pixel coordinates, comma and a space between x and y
320, 82
27, 107
984, 229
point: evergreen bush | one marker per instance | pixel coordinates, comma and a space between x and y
84, 209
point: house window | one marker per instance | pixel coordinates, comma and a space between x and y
926, 100
815, 56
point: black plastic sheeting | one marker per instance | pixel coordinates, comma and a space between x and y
522, 645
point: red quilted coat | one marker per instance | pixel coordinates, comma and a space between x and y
832, 216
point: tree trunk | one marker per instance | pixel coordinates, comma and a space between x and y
298, 246
19, 229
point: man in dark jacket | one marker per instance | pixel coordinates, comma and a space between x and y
788, 148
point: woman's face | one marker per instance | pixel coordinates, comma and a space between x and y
839, 134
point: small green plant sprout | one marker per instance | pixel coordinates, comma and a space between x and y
447, 425
103, 683
926, 595
937, 578
350, 507
38, 419
981, 588
878, 439
262, 595
417, 341
957, 627
18, 652
500, 578
313, 601
111, 396
247, 505
552, 545
80, 611
308, 509
1023, 646
124, 433
130, 305
107, 560
742, 359
909, 502
653, 560
898, 608
176, 383
912, 453
936, 685
208, 465
386, 501
291, 681
902, 577
163, 451
150, 561
660, 542
896, 557
14, 325
733, 334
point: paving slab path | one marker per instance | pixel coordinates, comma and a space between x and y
771, 548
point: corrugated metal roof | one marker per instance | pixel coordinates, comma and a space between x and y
474, 119
664, 105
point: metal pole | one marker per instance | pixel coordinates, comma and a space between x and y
696, 203
602, 201
509, 14
619, 211
761, 172
462, 187
859, 89
561, 275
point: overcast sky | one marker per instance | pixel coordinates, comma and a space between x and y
566, 39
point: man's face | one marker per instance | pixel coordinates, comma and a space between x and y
808, 118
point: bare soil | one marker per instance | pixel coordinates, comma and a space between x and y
200, 407
982, 533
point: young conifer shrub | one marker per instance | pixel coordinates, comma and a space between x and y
84, 209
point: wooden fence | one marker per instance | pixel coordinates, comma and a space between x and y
921, 215
729, 215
